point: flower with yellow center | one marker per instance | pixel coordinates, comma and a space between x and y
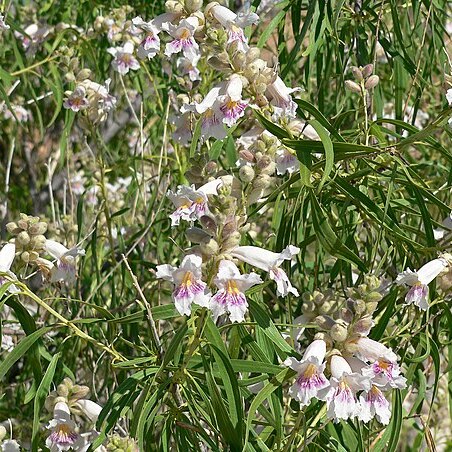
230, 297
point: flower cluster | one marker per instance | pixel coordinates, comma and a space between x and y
30, 244
360, 369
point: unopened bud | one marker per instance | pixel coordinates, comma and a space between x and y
173, 6
193, 5
208, 223
13, 228
197, 235
325, 322
246, 173
370, 307
62, 390
33, 255
352, 86
308, 307
363, 325
262, 182
367, 70
218, 64
83, 75
2, 432
23, 238
211, 167
210, 248
346, 315
339, 332
357, 73
38, 242
374, 297
23, 224
246, 155
38, 228
372, 82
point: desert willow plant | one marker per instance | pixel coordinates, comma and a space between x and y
218, 341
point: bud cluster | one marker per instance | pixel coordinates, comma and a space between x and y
118, 443
69, 393
29, 236
365, 80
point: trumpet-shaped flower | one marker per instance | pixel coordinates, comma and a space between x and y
189, 288
77, 100
89, 408
281, 99
63, 435
185, 66
231, 103
340, 397
231, 294
270, 262
310, 379
373, 403
234, 25
150, 45
7, 254
124, 59
65, 269
184, 40
191, 203
419, 281
286, 161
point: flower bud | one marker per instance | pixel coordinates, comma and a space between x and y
253, 54
173, 6
367, 70
79, 392
325, 322
13, 228
33, 255
363, 325
373, 297
370, 307
339, 332
262, 182
83, 75
38, 242
346, 315
246, 155
218, 63
357, 73
324, 337
210, 248
352, 86
372, 82
208, 223
23, 238
62, 390
192, 5
246, 174
2, 432
23, 223
211, 167
308, 307
38, 228
197, 235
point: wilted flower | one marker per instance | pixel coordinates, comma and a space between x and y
310, 378
230, 296
124, 59
419, 281
191, 203
270, 262
189, 288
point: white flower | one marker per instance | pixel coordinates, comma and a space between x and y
185, 66
270, 262
419, 281
449, 96
341, 395
63, 435
77, 100
3, 25
234, 25
370, 350
310, 370
232, 105
373, 403
99, 94
189, 288
89, 408
184, 40
7, 254
124, 59
281, 99
231, 297
286, 161
150, 45
211, 116
447, 226
191, 203
10, 445
65, 269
